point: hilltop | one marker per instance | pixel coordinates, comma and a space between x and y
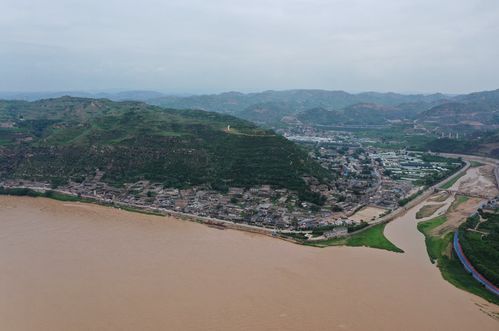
475, 111
69, 138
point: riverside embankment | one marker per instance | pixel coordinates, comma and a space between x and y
281, 234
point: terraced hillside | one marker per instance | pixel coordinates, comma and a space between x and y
70, 138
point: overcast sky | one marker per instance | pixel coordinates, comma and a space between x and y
201, 46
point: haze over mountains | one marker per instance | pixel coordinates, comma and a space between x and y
297, 100
139, 95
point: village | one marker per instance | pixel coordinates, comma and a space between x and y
367, 185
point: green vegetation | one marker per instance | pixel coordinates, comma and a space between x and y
395, 137
434, 244
384, 117
405, 201
294, 101
453, 272
459, 200
482, 248
319, 231
297, 236
69, 138
447, 185
371, 237
426, 157
439, 249
476, 142
47, 194
138, 210
476, 164
481, 143
451, 165
427, 210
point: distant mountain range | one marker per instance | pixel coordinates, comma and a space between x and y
270, 107
437, 112
138, 95
473, 117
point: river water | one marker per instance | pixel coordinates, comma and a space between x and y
69, 266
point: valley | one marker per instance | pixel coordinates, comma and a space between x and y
316, 185
249, 165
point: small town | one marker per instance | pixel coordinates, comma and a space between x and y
249, 165
368, 184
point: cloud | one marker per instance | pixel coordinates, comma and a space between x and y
217, 45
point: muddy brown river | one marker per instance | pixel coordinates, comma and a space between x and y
67, 266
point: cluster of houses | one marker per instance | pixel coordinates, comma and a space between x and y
260, 206
359, 181
491, 206
409, 166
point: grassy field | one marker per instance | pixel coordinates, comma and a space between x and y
433, 243
475, 164
447, 185
428, 210
440, 251
372, 237
459, 200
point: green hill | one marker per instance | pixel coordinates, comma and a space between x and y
69, 138
480, 243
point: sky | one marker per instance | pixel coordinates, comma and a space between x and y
207, 46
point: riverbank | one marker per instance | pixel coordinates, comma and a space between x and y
440, 251
458, 250
415, 200
68, 197
476, 243
439, 231
373, 238
294, 236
